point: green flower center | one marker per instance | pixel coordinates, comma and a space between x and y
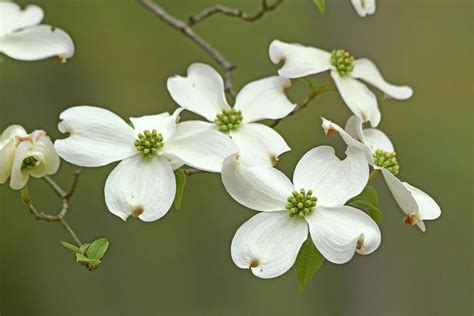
301, 203
229, 120
29, 163
343, 61
149, 143
387, 160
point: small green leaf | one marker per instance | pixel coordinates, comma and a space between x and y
84, 247
71, 247
321, 5
307, 263
180, 185
97, 249
368, 200
87, 261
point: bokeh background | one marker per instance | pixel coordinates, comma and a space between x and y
181, 265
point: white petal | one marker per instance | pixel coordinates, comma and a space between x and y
164, 123
201, 92
402, 195
38, 42
376, 139
265, 99
259, 144
333, 181
97, 137
43, 150
268, 243
190, 128
261, 188
32, 15
141, 187
364, 7
9, 133
331, 128
19, 176
7, 153
358, 98
354, 128
427, 207
299, 61
366, 70
337, 231
205, 150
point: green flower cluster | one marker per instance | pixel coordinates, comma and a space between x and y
229, 120
301, 203
149, 143
343, 61
387, 160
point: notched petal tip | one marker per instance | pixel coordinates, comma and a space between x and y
254, 263
137, 211
329, 130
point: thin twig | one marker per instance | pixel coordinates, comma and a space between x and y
196, 38
208, 12
65, 198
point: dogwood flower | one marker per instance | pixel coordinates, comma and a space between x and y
22, 38
269, 242
202, 92
143, 184
300, 61
364, 7
22, 155
380, 154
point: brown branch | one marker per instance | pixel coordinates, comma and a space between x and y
208, 12
65, 198
196, 38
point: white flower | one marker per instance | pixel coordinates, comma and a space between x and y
364, 7
300, 61
22, 155
380, 153
143, 184
269, 242
21, 36
202, 92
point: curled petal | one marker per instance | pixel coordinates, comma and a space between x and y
10, 133
19, 176
201, 92
265, 99
354, 128
259, 144
332, 180
48, 159
427, 207
37, 42
261, 188
141, 187
341, 231
97, 137
360, 100
376, 139
268, 243
402, 195
366, 70
364, 7
299, 61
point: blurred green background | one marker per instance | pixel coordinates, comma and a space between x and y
181, 265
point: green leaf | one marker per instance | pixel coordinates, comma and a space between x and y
307, 263
180, 185
84, 247
97, 249
321, 5
90, 262
368, 200
71, 247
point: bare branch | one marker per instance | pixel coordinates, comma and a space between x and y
65, 197
196, 38
208, 12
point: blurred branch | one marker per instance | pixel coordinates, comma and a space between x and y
196, 38
208, 12
65, 198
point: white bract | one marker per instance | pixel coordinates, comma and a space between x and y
202, 92
143, 184
22, 38
22, 155
301, 61
364, 7
269, 242
380, 153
